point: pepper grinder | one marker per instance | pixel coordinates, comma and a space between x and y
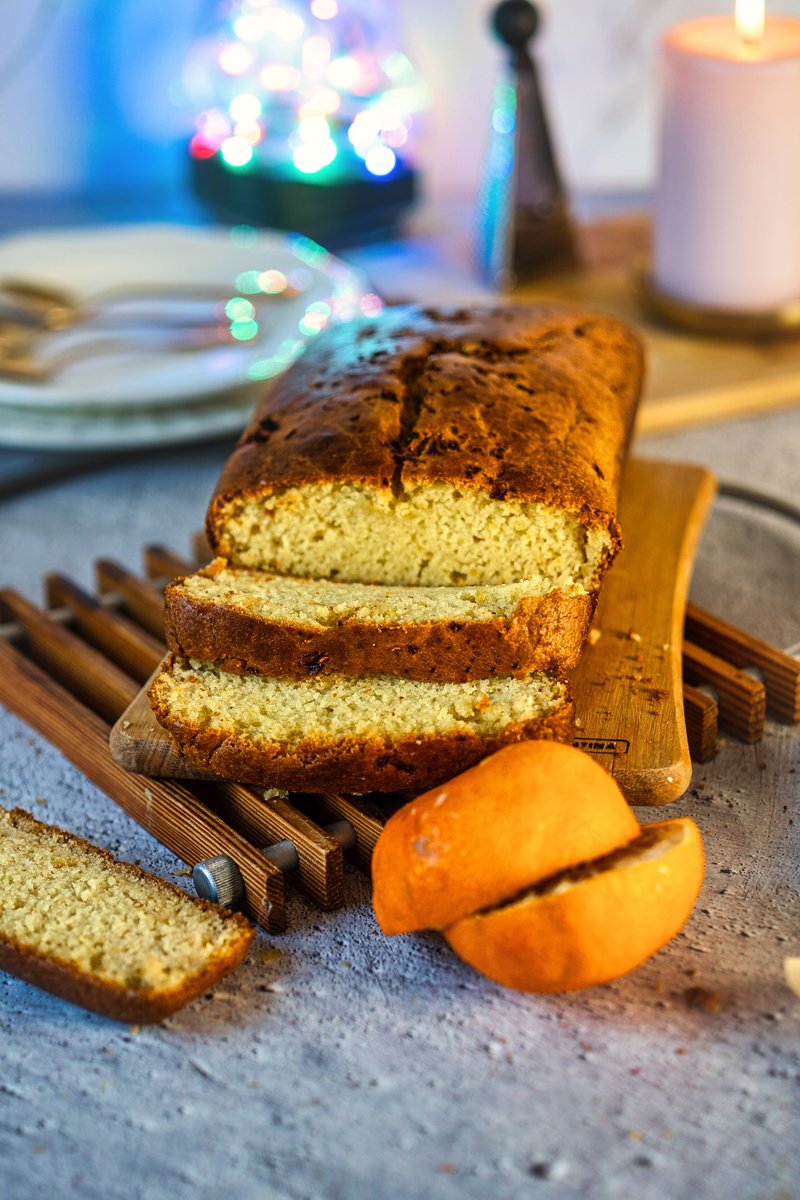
524, 226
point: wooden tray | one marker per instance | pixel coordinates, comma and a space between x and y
628, 690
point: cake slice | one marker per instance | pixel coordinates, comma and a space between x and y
439, 448
336, 733
102, 933
253, 621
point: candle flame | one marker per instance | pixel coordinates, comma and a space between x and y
750, 20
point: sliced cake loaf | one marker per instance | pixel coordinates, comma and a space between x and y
251, 621
333, 732
439, 448
414, 530
102, 933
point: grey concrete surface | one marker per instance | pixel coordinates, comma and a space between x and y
337, 1064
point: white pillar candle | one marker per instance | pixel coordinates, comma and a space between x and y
727, 203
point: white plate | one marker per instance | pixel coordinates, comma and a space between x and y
88, 262
126, 429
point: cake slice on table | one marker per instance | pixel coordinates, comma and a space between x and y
103, 933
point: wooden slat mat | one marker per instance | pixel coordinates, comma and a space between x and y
70, 671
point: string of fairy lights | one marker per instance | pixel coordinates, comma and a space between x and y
305, 88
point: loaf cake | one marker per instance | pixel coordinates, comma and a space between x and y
412, 534
251, 621
102, 933
333, 732
438, 448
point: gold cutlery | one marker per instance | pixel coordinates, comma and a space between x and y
36, 355
47, 306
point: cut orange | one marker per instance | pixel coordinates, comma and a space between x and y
520, 816
594, 922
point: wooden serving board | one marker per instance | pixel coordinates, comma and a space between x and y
628, 687
692, 379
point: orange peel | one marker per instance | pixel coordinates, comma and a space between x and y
593, 923
521, 815
536, 871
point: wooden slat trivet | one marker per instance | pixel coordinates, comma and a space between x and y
87, 673
366, 818
167, 810
139, 599
741, 699
780, 672
701, 713
87, 645
82, 644
201, 547
267, 820
162, 563
128, 645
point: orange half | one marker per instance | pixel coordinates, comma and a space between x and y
521, 815
591, 923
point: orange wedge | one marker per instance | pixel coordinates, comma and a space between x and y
591, 923
522, 815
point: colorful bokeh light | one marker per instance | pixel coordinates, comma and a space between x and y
343, 73
244, 331
236, 151
370, 304
272, 282
324, 10
278, 77
245, 108
300, 83
239, 308
235, 59
310, 157
380, 160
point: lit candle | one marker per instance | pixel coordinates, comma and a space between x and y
727, 203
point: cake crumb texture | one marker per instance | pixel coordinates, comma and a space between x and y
102, 932
376, 733
249, 620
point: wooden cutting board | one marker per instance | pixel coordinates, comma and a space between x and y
692, 379
628, 687
628, 699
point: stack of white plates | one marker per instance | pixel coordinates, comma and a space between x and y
139, 398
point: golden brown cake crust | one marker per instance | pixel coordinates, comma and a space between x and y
103, 996
351, 765
527, 403
543, 633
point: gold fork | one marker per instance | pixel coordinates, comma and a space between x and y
36, 355
47, 306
